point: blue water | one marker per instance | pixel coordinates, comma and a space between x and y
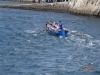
26, 48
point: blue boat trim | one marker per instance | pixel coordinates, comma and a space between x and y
62, 33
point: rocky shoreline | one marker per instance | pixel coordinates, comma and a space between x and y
74, 6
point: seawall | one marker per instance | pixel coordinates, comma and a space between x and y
83, 7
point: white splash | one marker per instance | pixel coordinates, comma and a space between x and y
61, 36
30, 31
88, 36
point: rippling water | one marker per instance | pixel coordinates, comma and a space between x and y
26, 49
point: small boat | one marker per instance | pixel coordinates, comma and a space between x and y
53, 30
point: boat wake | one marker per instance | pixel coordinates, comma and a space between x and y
79, 47
82, 48
81, 39
38, 32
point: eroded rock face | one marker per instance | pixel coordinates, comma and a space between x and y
91, 7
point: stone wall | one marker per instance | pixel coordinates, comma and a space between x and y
31, 1
85, 6
21, 0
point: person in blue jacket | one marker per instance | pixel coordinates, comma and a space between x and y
62, 32
60, 25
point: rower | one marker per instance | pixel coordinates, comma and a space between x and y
60, 25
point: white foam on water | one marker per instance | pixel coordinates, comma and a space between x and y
29, 41
70, 57
30, 31
61, 37
73, 31
35, 34
38, 32
16, 49
91, 43
88, 36
97, 41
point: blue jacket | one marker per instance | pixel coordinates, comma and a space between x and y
60, 25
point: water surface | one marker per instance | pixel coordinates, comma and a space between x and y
26, 49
